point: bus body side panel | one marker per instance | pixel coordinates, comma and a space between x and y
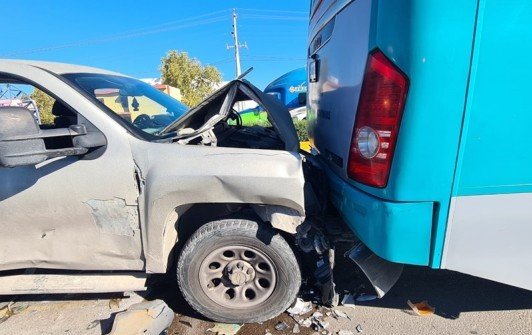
341, 60
490, 223
431, 41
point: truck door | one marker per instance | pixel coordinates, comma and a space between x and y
74, 212
489, 226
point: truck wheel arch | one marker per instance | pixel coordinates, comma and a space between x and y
182, 221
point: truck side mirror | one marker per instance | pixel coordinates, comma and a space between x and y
22, 141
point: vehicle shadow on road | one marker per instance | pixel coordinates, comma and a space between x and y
165, 287
452, 293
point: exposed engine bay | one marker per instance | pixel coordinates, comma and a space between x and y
224, 134
215, 122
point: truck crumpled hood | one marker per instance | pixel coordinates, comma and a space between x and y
218, 105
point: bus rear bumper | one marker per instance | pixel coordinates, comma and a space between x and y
399, 232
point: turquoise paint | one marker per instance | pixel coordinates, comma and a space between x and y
465, 128
431, 41
394, 231
495, 151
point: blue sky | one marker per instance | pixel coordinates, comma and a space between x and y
132, 36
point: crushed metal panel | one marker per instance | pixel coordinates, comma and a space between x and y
235, 91
180, 175
114, 216
381, 273
147, 318
280, 217
278, 115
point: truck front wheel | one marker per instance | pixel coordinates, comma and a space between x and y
237, 271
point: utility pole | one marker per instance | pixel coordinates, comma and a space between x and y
236, 44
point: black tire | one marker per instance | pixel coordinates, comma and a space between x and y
240, 233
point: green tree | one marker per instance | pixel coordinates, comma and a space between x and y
44, 103
194, 80
301, 128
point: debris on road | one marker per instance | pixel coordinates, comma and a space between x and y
348, 300
359, 328
421, 308
146, 318
114, 303
306, 322
12, 308
93, 324
317, 322
281, 326
323, 324
225, 328
345, 332
336, 313
186, 323
300, 307
4, 314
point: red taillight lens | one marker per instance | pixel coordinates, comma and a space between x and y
380, 108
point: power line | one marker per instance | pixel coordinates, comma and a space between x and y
173, 25
268, 60
259, 57
160, 28
280, 18
174, 22
272, 11
221, 61
110, 38
223, 11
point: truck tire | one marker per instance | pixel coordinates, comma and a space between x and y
237, 271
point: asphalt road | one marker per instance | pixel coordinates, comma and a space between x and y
464, 305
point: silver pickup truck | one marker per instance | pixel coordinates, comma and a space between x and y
110, 191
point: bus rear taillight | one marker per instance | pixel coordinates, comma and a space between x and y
380, 108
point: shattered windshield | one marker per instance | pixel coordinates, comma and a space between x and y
141, 105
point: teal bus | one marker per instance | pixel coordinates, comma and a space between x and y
419, 114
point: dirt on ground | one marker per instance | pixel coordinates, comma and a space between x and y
463, 305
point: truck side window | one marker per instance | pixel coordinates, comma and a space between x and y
139, 104
19, 94
48, 112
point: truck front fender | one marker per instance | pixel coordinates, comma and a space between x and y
172, 177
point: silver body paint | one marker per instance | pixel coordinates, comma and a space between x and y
119, 211
489, 236
178, 175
